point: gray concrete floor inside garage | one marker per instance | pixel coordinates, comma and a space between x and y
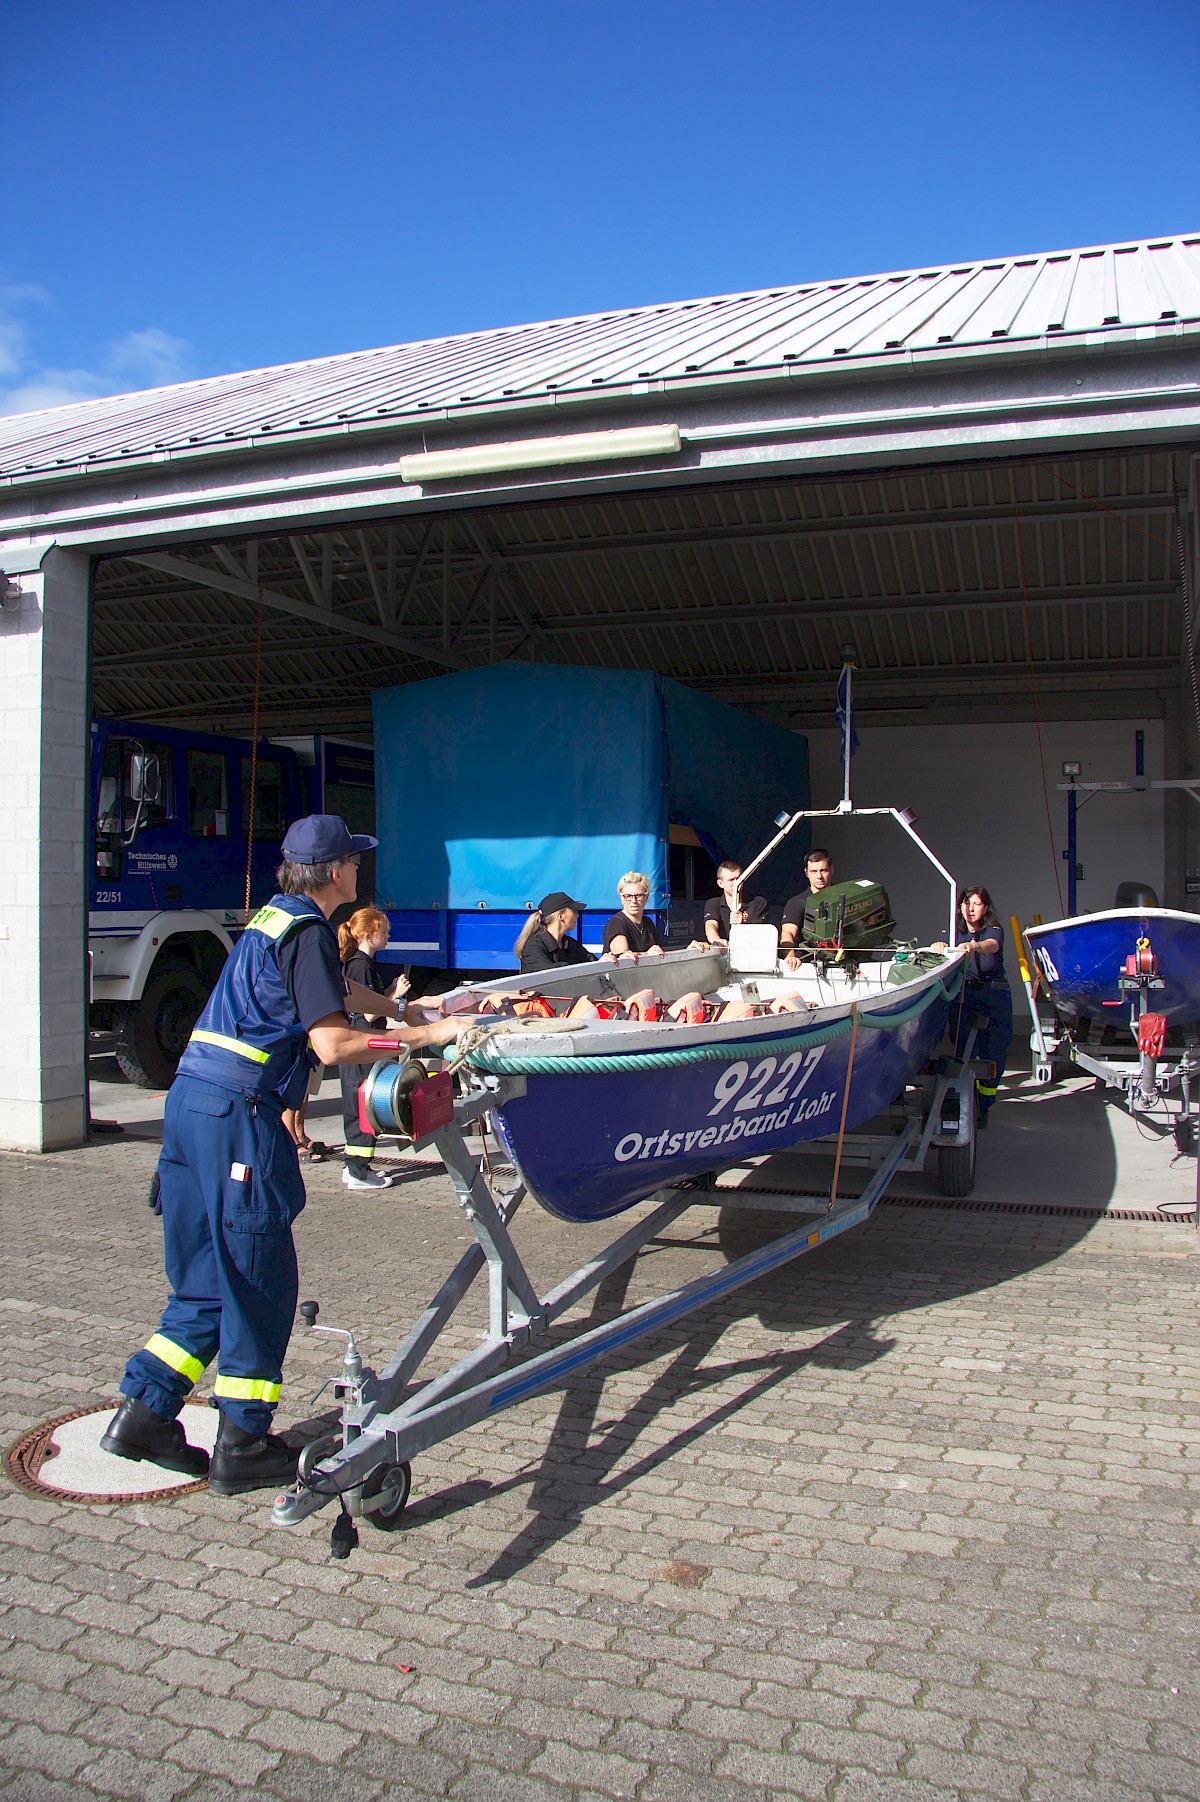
909, 1520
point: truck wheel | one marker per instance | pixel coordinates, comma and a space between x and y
150, 1034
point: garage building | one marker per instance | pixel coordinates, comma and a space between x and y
982, 477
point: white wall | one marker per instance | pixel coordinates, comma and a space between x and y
978, 792
43, 753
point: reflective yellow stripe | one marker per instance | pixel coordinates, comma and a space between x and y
272, 922
175, 1357
235, 1045
985, 1088
247, 1389
360, 1151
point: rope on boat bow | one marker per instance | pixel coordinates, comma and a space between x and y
493, 1062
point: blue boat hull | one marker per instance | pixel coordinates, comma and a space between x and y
1081, 960
590, 1145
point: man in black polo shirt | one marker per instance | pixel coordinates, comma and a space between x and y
818, 869
753, 909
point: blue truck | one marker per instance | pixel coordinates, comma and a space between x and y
497, 785
170, 848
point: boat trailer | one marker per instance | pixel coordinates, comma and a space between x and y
365, 1465
1140, 1075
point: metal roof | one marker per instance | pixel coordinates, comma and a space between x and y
1110, 295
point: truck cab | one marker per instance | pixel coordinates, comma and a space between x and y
174, 838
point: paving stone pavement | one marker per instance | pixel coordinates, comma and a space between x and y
912, 1521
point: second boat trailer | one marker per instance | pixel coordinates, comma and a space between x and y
364, 1466
1140, 1071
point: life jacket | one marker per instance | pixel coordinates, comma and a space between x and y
249, 1037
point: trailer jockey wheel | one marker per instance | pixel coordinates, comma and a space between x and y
1184, 1134
394, 1483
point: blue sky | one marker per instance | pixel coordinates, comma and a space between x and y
188, 189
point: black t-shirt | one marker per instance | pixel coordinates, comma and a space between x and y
793, 913
543, 952
312, 970
362, 968
640, 935
718, 909
985, 966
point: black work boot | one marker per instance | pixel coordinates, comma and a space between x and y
136, 1432
243, 1461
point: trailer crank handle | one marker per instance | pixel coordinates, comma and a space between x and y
351, 1363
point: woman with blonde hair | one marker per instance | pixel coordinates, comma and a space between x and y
545, 942
630, 932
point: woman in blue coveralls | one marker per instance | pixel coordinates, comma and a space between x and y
228, 1178
985, 991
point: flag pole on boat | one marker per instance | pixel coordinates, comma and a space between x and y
845, 719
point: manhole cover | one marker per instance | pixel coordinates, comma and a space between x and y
62, 1458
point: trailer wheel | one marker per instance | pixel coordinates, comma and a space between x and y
954, 1168
393, 1482
150, 1034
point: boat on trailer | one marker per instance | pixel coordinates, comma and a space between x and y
1083, 962
1124, 993
605, 1111
620, 1085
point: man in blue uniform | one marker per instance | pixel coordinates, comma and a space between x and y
229, 1177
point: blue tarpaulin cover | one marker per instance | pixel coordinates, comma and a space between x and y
497, 785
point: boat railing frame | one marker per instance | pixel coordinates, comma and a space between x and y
845, 810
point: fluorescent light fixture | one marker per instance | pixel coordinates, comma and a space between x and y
536, 453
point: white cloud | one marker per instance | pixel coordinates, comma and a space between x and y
149, 358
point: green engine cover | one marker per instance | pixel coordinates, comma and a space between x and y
867, 920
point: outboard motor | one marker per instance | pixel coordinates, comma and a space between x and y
854, 915
1135, 894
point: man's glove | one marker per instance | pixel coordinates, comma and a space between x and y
154, 1197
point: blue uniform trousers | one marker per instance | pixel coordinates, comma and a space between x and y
995, 1035
230, 1190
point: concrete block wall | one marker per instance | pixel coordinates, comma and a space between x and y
43, 925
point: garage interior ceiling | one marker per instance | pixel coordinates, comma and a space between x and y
948, 581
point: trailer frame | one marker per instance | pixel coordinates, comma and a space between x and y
365, 1465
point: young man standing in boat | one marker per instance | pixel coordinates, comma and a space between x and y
717, 916
818, 871
228, 1178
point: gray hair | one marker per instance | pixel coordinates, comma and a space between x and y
304, 878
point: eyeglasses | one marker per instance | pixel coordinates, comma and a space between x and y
354, 861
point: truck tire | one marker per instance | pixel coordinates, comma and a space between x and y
150, 1034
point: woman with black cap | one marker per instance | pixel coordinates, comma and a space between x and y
544, 943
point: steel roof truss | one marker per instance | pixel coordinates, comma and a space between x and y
201, 576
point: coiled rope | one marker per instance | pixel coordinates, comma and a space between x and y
487, 1059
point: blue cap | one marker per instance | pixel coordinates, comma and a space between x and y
323, 838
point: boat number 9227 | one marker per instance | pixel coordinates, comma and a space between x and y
767, 1083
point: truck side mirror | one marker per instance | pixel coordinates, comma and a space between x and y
145, 777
